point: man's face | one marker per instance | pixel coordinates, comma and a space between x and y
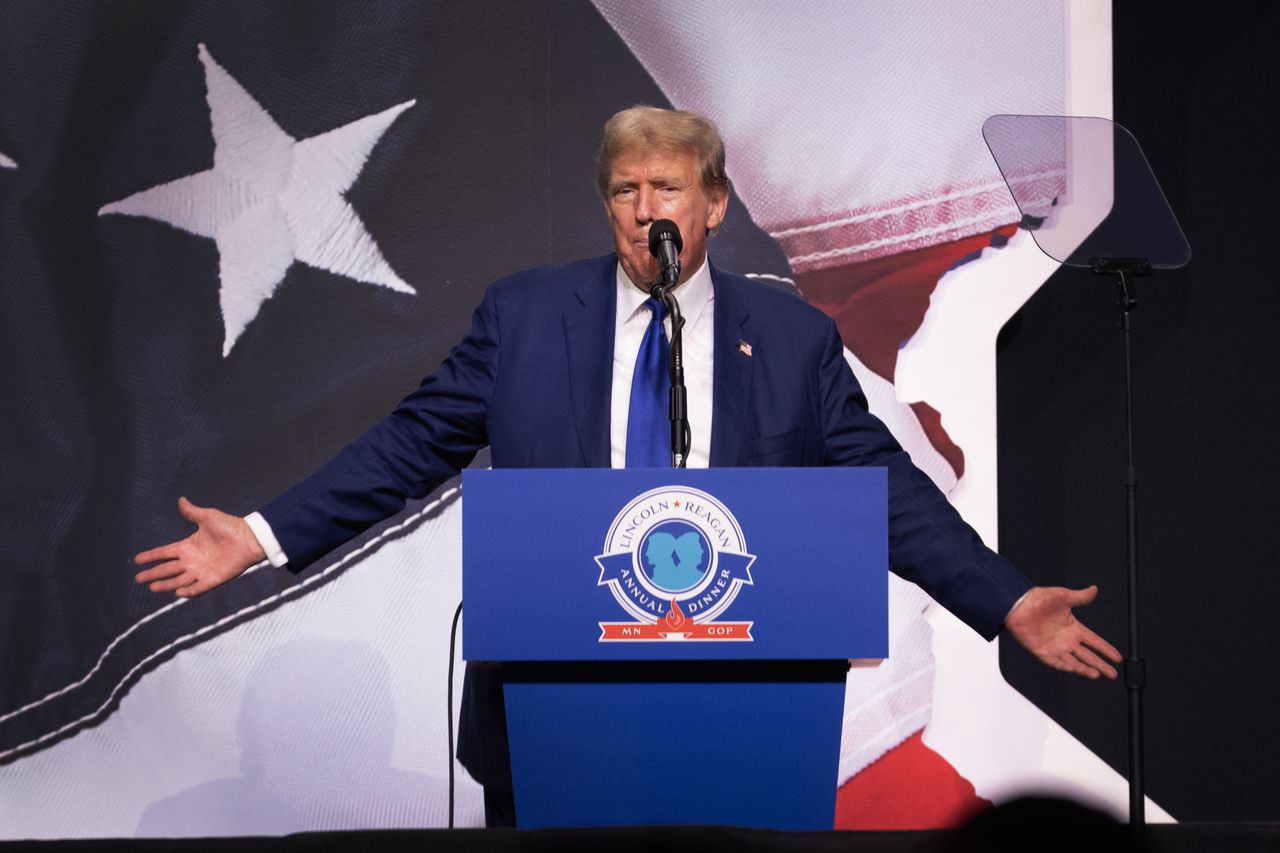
647, 185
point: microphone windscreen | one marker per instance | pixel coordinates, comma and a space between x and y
664, 229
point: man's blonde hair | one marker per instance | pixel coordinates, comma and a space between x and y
654, 129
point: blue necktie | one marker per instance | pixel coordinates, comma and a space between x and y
648, 419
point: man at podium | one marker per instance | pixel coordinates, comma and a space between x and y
564, 367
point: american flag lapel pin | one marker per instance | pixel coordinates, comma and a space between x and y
744, 347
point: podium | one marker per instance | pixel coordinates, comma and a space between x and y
674, 642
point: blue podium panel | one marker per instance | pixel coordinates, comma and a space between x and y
662, 564
754, 754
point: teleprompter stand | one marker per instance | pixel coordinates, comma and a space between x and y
1090, 200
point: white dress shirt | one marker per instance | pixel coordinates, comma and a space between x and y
697, 301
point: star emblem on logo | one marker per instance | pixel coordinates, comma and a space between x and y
271, 200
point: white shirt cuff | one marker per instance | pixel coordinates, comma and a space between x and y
1021, 598
262, 531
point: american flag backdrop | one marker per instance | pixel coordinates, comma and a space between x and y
232, 237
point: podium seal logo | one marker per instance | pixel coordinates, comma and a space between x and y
675, 560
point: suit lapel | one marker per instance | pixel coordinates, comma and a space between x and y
731, 383
589, 319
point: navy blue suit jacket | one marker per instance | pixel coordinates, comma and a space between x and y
532, 380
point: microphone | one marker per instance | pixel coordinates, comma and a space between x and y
665, 245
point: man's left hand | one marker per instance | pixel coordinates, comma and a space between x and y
1044, 624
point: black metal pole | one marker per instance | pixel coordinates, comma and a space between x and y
1134, 666
679, 406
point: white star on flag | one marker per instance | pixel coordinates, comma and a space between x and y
6, 162
270, 200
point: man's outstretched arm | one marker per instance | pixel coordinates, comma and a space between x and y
1044, 624
221, 549
932, 546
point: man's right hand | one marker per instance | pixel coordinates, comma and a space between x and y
222, 547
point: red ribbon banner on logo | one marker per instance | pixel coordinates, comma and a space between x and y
622, 631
